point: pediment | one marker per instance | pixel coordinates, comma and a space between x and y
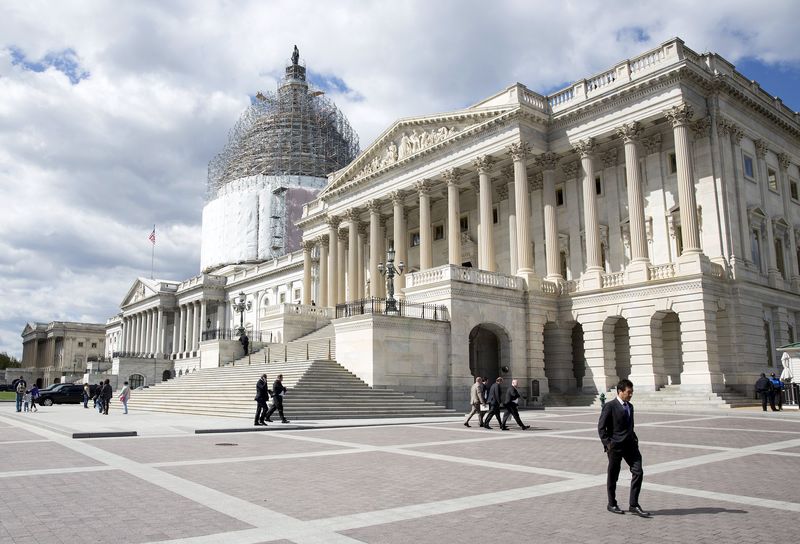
140, 290
410, 138
28, 329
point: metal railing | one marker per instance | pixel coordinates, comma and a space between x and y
229, 334
133, 355
373, 305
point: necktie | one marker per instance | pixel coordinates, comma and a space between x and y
627, 413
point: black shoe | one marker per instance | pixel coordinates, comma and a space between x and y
637, 510
285, 421
268, 419
504, 428
264, 423
526, 427
614, 509
467, 425
256, 423
487, 427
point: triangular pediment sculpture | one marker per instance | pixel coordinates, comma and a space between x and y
140, 290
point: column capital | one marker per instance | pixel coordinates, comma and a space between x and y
333, 221
680, 115
570, 169
397, 197
323, 240
701, 127
423, 187
476, 186
784, 160
352, 216
308, 245
483, 163
584, 148
341, 235
652, 144
736, 133
508, 173
374, 206
629, 132
761, 148
363, 229
452, 175
548, 160
519, 151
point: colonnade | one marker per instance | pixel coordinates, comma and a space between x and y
344, 229
144, 333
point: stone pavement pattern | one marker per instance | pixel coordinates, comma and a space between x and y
709, 477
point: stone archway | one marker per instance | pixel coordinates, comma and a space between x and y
665, 330
489, 353
564, 357
617, 347
578, 356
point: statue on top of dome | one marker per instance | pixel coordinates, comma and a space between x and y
295, 56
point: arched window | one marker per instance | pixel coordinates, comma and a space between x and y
135, 381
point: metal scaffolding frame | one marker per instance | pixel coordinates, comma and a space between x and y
293, 131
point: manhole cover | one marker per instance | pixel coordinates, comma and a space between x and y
226, 444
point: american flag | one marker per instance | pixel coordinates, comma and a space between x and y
152, 236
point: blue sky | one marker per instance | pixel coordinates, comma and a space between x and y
110, 111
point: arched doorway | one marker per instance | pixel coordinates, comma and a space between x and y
489, 352
166, 375
578, 356
135, 381
617, 348
665, 331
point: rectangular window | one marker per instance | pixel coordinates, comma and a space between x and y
598, 186
779, 257
94, 345
755, 249
793, 189
768, 339
560, 196
297, 294
495, 215
772, 179
282, 298
414, 239
672, 164
438, 232
464, 223
80, 344
749, 170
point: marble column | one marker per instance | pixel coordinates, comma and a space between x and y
148, 331
323, 271
201, 326
513, 247
639, 267
374, 257
592, 276
190, 326
341, 253
680, 117
333, 261
773, 274
197, 311
519, 152
548, 161
425, 238
363, 234
453, 217
486, 260
399, 226
160, 326
175, 320
352, 255
308, 245
791, 257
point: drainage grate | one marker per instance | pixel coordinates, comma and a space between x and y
226, 444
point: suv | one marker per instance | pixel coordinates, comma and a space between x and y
63, 394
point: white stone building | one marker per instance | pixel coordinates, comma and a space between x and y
641, 223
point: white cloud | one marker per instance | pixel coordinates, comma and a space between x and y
86, 169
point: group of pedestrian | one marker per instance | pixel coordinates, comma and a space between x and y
265, 395
489, 403
102, 396
770, 389
26, 398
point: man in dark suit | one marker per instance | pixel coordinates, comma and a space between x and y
494, 404
278, 391
620, 442
763, 386
510, 401
262, 396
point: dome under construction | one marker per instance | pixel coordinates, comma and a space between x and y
277, 159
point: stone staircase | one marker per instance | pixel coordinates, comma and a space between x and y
669, 397
318, 389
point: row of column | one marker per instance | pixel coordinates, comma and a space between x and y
145, 332
332, 254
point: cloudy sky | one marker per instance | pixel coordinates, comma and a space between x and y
110, 111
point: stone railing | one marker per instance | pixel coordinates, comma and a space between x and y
662, 271
613, 280
464, 274
534, 100
296, 309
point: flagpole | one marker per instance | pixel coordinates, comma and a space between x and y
153, 255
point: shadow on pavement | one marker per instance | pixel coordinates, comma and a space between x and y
701, 510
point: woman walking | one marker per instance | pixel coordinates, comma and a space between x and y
124, 395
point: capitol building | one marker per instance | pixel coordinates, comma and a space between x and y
641, 223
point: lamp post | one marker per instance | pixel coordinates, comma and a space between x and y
389, 270
241, 306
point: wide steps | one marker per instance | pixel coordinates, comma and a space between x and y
670, 397
318, 389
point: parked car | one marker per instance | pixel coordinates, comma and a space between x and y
6, 387
63, 393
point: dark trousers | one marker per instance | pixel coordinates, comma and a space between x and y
85, 400
494, 411
772, 400
106, 402
476, 409
764, 396
261, 411
19, 402
512, 410
779, 398
629, 452
277, 404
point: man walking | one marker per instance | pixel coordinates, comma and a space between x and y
763, 386
777, 392
20, 386
494, 404
108, 392
476, 398
245, 341
278, 390
620, 442
511, 401
262, 396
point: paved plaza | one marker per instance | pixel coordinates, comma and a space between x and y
720, 477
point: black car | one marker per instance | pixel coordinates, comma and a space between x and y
62, 394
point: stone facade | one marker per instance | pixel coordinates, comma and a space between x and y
60, 350
640, 223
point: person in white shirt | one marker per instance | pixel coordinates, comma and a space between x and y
124, 395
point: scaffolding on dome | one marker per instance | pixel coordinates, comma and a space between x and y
295, 131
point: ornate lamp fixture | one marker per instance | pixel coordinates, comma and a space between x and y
241, 305
389, 270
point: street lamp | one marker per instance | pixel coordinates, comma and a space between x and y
389, 270
241, 306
